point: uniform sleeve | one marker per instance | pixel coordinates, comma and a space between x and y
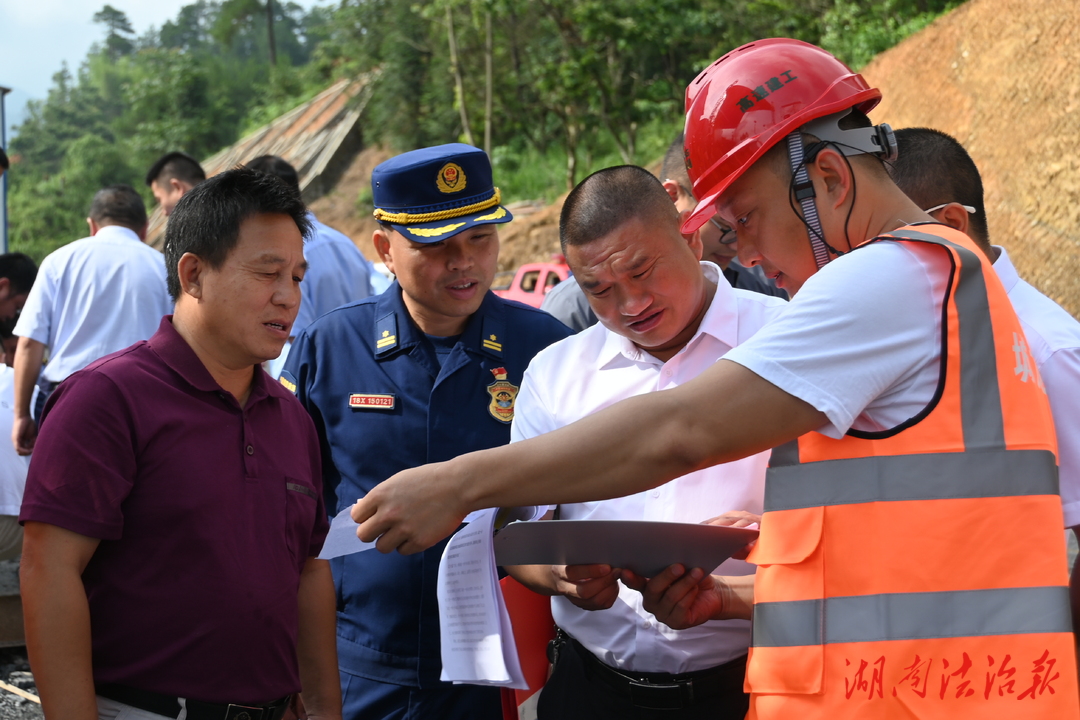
1061, 376
299, 377
299, 365
532, 416
35, 319
84, 464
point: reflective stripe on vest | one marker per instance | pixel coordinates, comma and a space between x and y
934, 476
910, 616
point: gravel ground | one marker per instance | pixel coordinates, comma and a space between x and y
14, 670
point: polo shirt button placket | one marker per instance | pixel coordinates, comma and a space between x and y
250, 450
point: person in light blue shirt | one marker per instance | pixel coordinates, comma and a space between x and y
91, 297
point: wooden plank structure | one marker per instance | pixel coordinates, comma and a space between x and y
319, 138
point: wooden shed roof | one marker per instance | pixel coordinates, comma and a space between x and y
308, 137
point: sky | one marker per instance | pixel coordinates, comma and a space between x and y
36, 36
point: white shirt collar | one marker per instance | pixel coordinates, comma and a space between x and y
721, 321
1005, 270
117, 232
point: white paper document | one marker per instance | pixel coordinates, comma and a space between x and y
477, 640
342, 540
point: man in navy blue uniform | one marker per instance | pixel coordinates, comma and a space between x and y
424, 372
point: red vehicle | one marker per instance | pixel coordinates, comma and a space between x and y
531, 282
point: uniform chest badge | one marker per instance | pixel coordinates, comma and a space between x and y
503, 394
363, 401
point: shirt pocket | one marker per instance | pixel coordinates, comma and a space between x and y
301, 502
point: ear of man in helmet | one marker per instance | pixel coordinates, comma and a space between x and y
779, 147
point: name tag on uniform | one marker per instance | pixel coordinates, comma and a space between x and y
362, 401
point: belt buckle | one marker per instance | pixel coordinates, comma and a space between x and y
662, 696
243, 712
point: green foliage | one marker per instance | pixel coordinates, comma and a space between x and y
116, 22
576, 85
175, 89
53, 210
856, 31
364, 201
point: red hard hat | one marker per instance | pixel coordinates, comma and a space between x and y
749, 100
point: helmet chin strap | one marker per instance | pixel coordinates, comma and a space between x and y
877, 140
804, 194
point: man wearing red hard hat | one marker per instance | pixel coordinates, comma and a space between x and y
910, 562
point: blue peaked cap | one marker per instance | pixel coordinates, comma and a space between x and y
430, 194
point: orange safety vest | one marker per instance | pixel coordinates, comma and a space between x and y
920, 572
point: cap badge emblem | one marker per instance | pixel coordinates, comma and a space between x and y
451, 178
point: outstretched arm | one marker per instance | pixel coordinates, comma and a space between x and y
726, 413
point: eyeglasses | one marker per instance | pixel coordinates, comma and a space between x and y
724, 233
970, 210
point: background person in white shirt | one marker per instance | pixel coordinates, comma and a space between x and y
12, 467
92, 297
665, 317
936, 172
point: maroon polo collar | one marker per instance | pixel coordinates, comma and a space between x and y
174, 351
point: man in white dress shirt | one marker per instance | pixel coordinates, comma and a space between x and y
935, 171
664, 317
91, 297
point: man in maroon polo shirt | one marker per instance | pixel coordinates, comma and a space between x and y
174, 505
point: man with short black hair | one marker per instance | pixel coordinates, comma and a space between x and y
935, 171
174, 510
172, 175
4, 162
337, 272
92, 297
568, 303
667, 315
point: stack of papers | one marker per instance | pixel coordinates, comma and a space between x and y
477, 639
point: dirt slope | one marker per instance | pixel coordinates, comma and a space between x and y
338, 207
1001, 76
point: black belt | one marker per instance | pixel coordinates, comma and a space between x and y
657, 691
169, 705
